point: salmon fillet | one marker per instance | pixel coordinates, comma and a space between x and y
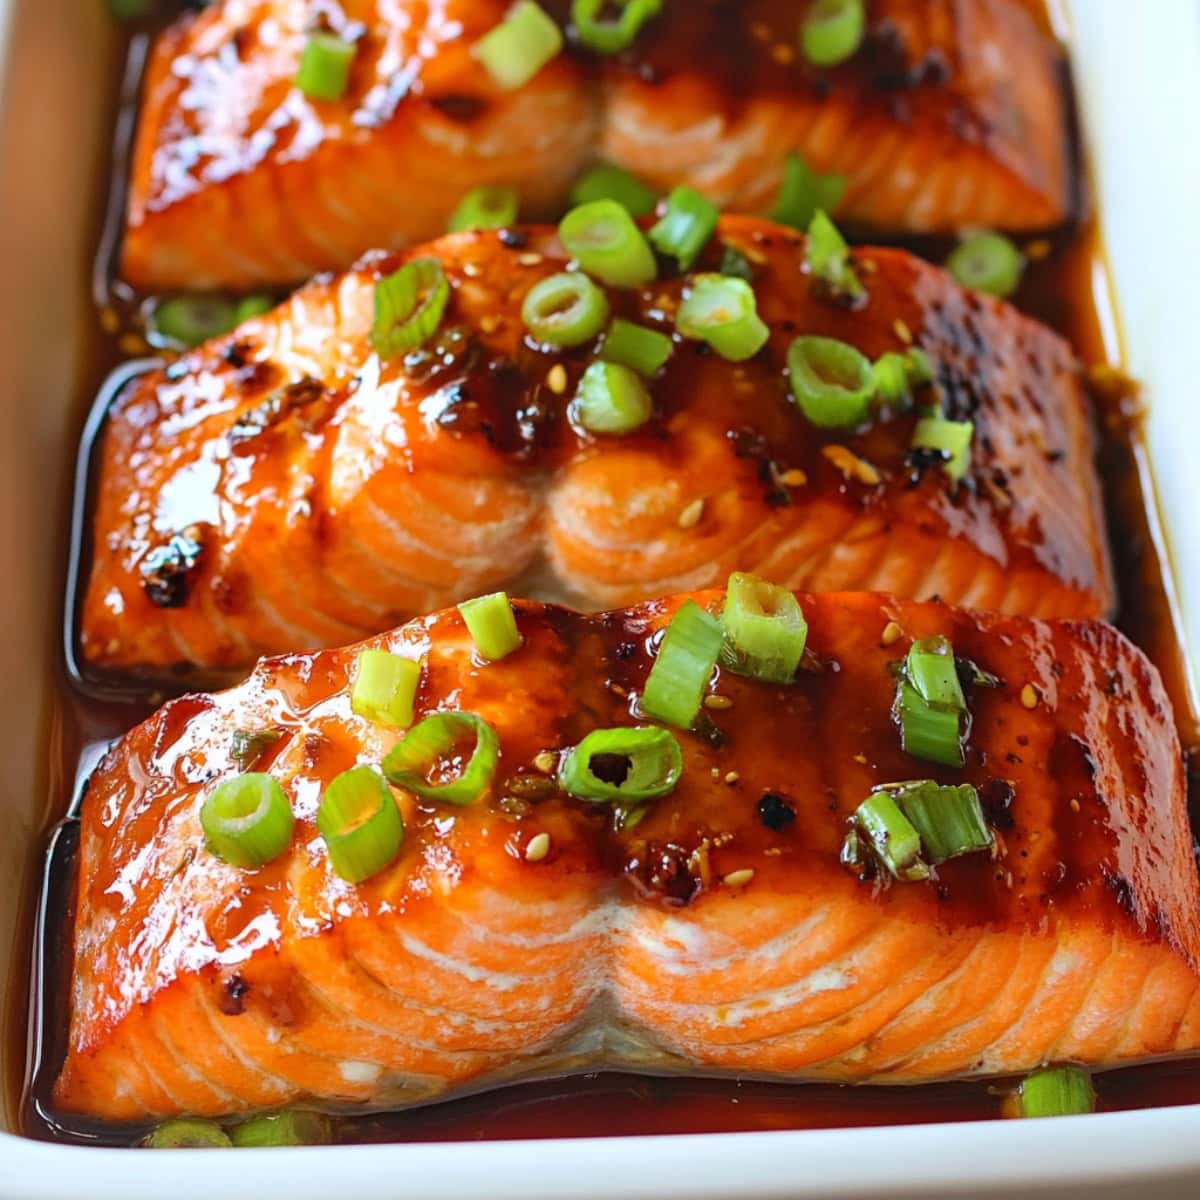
282, 489
951, 114
721, 933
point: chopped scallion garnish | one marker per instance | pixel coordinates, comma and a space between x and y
931, 669
190, 320
952, 438
492, 625
804, 192
828, 258
449, 757
520, 46
295, 1127
891, 379
987, 262
409, 305
602, 237
611, 36
832, 382
723, 313
634, 346
361, 825
832, 31
690, 647
607, 182
247, 820
949, 819
890, 836
735, 264
1057, 1092
611, 399
684, 229
566, 309
926, 732
385, 686
187, 1133
492, 207
620, 765
252, 306
765, 629
325, 62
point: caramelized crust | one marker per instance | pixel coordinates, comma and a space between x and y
282, 489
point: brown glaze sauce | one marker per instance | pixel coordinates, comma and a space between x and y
1068, 286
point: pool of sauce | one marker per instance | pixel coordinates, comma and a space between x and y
1067, 285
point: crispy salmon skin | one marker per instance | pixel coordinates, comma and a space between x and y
531, 932
283, 488
951, 114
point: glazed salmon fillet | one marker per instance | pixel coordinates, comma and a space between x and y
951, 114
282, 488
530, 933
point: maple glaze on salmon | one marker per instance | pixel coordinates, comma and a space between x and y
721, 933
951, 114
282, 489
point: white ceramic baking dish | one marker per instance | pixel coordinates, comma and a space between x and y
1138, 71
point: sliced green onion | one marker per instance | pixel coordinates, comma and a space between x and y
1057, 1092
385, 686
931, 669
890, 835
429, 759
891, 378
949, 819
520, 46
804, 192
684, 229
765, 629
191, 320
253, 306
249, 745
492, 625
492, 207
567, 309
247, 820
291, 1128
622, 765
675, 686
920, 367
607, 182
953, 438
735, 264
324, 72
723, 313
927, 732
832, 31
828, 258
612, 399
611, 36
187, 1133
602, 237
634, 346
987, 262
409, 305
831, 381
360, 823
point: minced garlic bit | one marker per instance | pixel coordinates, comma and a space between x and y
892, 633
902, 331
556, 379
1029, 696
690, 517
715, 701
538, 847
794, 477
851, 465
546, 762
736, 879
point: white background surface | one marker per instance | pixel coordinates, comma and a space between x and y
1138, 64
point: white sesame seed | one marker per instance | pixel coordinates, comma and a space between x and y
715, 701
891, 634
736, 879
690, 517
546, 761
538, 847
732, 777
556, 379
1029, 696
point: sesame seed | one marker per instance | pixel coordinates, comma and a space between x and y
532, 259
793, 478
112, 646
489, 324
690, 517
761, 31
732, 777
869, 265
1074, 804
736, 879
1029, 696
716, 772
861, 759
130, 343
538, 847
902, 331
773, 851
783, 54
891, 634
110, 321
545, 762
715, 701
1039, 248
556, 379
850, 465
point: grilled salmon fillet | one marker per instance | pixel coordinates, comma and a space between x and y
951, 114
527, 934
282, 489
